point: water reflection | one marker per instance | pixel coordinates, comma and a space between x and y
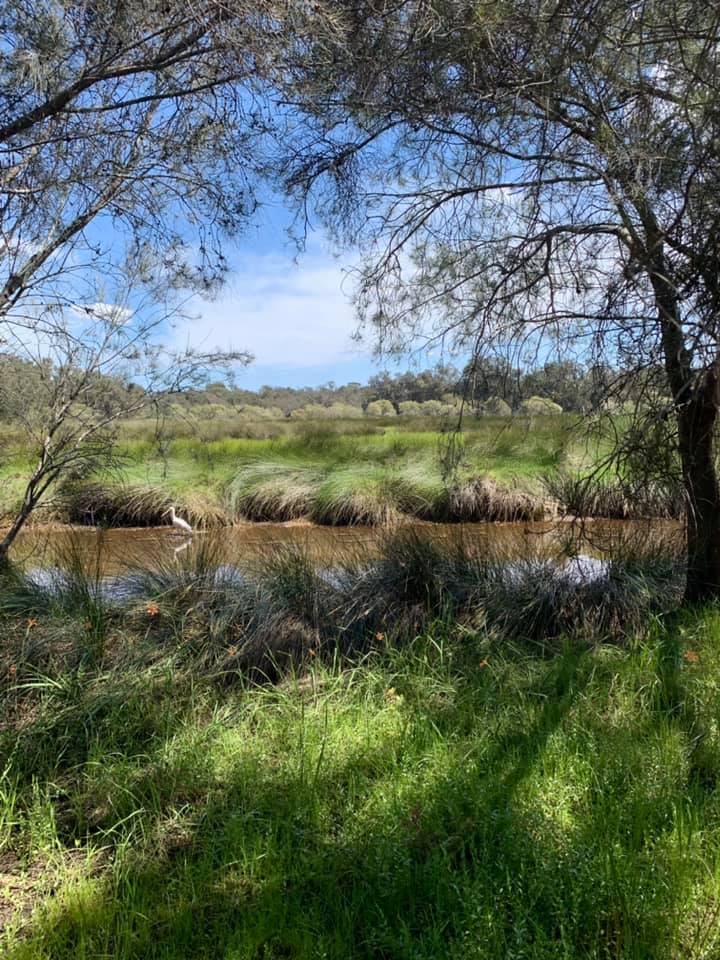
110, 553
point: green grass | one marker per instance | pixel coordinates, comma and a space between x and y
352, 473
457, 790
454, 798
334, 473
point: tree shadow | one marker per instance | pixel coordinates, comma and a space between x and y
468, 859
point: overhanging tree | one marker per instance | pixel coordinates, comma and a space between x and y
80, 363
125, 126
130, 141
544, 174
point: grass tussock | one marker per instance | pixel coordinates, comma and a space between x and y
269, 492
263, 617
368, 496
372, 496
484, 500
586, 496
364, 472
133, 505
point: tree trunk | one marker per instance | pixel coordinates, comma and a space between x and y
9, 538
695, 395
696, 421
33, 494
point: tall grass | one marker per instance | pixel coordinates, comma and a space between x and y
261, 617
379, 475
618, 498
334, 473
272, 491
131, 505
372, 493
452, 797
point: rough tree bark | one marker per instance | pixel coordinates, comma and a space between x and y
23, 515
697, 421
695, 395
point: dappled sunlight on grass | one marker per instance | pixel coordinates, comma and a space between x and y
450, 798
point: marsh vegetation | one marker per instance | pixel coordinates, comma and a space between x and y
428, 748
348, 719
350, 472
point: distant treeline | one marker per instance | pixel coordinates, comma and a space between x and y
492, 387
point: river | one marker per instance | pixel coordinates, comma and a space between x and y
112, 552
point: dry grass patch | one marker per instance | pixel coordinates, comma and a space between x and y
484, 500
134, 505
616, 499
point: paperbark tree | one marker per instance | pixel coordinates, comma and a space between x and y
540, 174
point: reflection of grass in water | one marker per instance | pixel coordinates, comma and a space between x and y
455, 796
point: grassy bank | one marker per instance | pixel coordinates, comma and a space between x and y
448, 787
502, 469
335, 473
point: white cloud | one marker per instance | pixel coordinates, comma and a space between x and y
109, 312
285, 313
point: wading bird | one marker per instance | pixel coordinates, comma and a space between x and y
178, 522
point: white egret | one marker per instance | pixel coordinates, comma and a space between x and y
178, 522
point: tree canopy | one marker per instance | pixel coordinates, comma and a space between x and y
127, 130
127, 158
534, 177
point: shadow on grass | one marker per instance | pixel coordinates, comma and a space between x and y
457, 832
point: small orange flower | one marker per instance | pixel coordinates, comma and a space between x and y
153, 609
232, 651
483, 664
380, 637
691, 657
32, 622
312, 652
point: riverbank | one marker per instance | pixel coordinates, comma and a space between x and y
496, 470
332, 474
118, 552
468, 778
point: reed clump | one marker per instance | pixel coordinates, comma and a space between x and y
272, 492
264, 617
372, 495
133, 505
484, 500
368, 496
616, 499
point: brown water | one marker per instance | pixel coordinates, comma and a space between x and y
113, 552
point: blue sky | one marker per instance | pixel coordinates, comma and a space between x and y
292, 310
